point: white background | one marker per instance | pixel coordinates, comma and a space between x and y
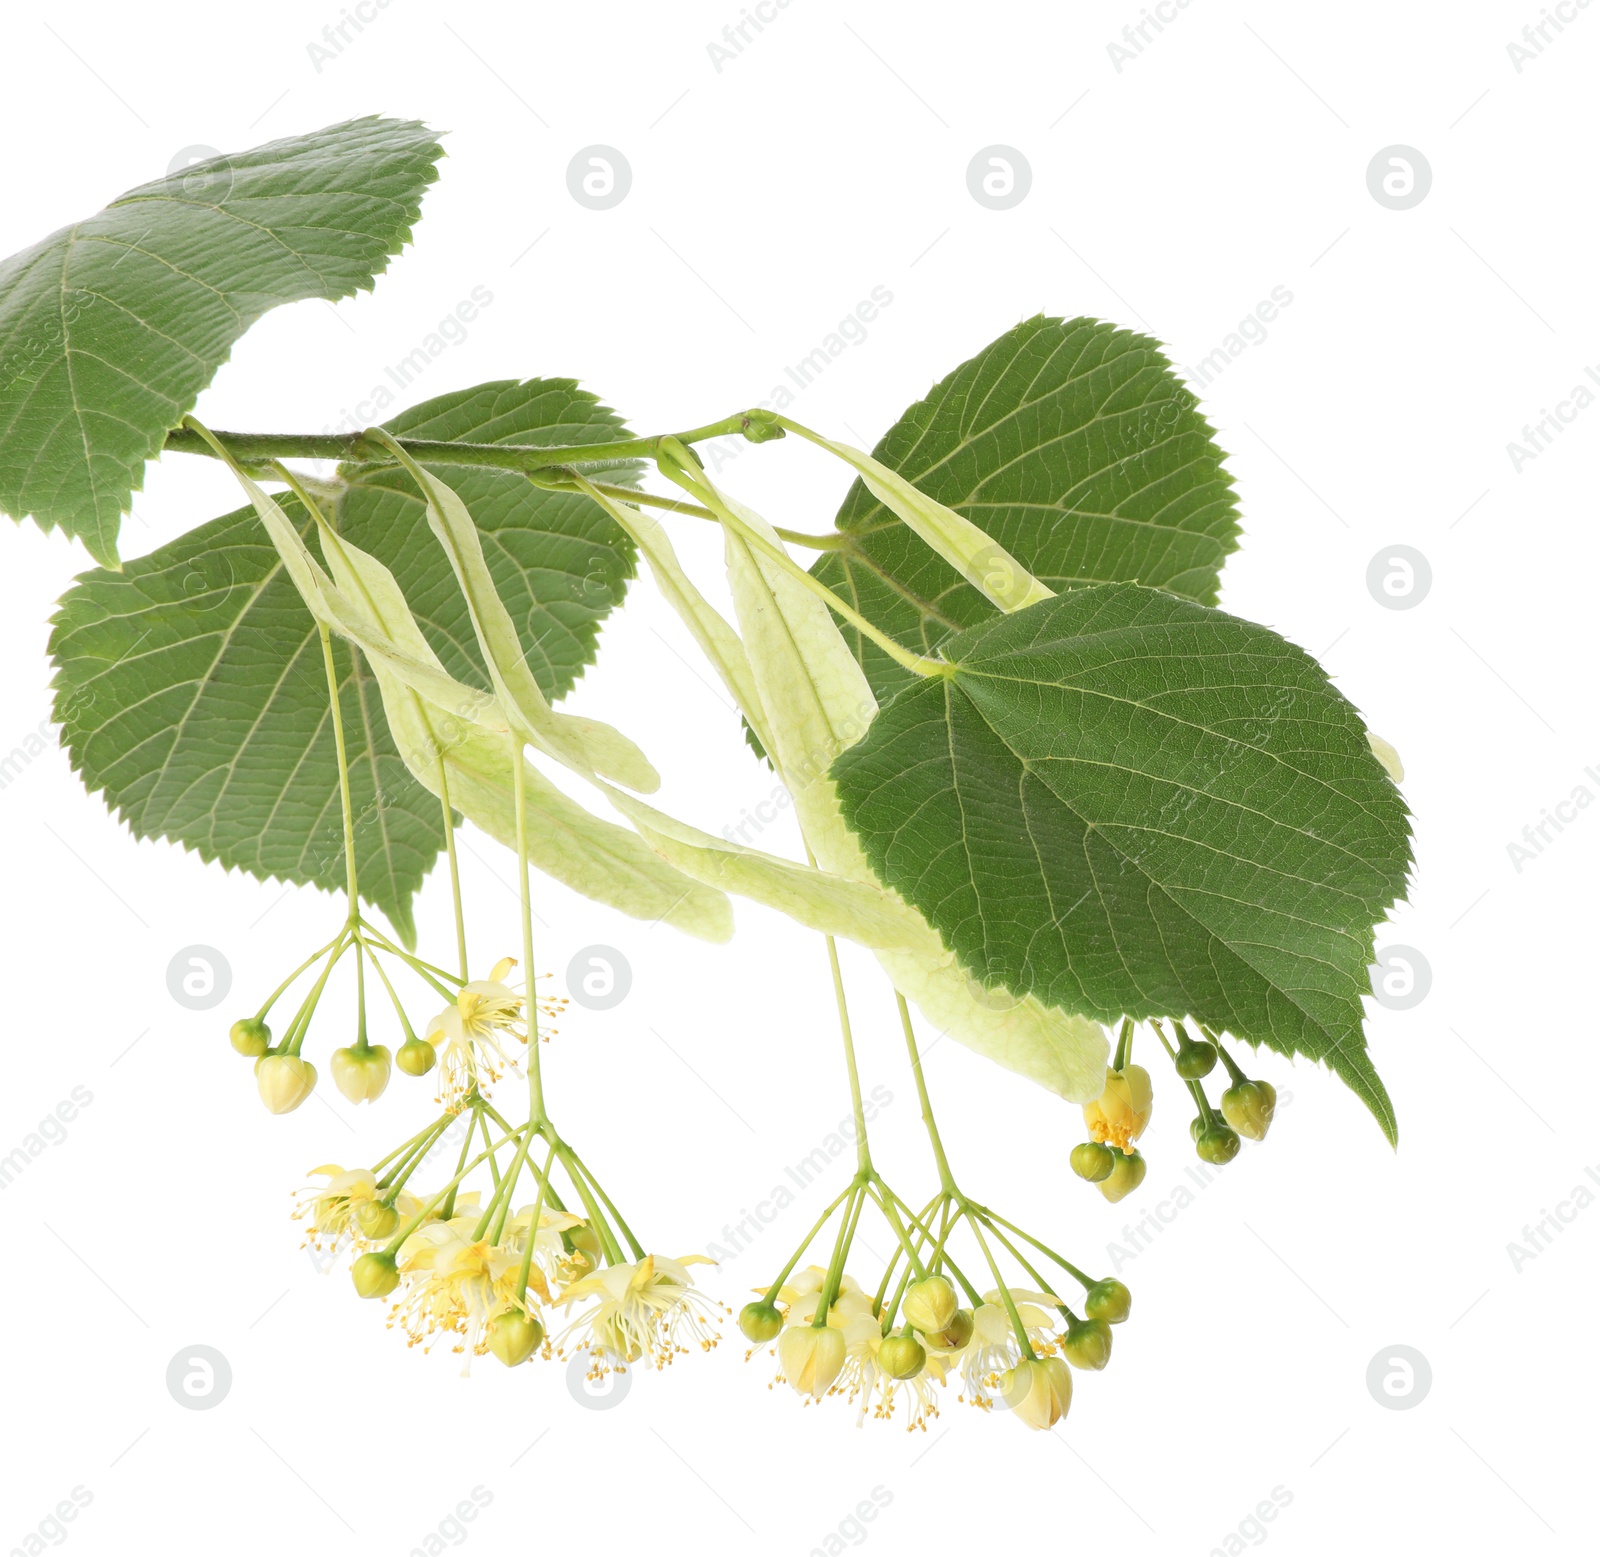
770, 197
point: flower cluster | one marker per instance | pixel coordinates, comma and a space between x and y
1007, 1348
473, 1040
1118, 1117
463, 1267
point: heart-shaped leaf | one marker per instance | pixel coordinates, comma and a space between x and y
1076, 447
190, 686
109, 329
1127, 803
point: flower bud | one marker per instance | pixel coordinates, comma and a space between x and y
250, 1036
1217, 1143
1196, 1125
416, 1057
1087, 1343
902, 1356
1092, 1160
376, 1220
760, 1321
1108, 1300
930, 1304
514, 1336
284, 1081
374, 1274
361, 1072
1122, 1110
1248, 1107
1195, 1059
955, 1335
1038, 1391
761, 426
1126, 1175
811, 1356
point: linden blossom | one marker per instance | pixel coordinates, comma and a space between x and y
947, 820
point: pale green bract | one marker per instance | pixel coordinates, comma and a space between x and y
438, 720
812, 700
585, 745
973, 553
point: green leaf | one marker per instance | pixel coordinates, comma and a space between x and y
1076, 447
110, 329
190, 687
1127, 803
191, 692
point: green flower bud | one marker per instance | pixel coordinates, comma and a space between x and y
1126, 1175
250, 1036
902, 1356
514, 1336
760, 427
955, 1335
376, 1220
760, 1321
416, 1057
1093, 1160
1217, 1143
1108, 1300
374, 1274
1248, 1107
929, 1304
361, 1072
1195, 1059
1087, 1343
1196, 1125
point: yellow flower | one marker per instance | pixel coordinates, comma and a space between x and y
993, 1350
454, 1283
1121, 1112
332, 1208
645, 1310
863, 1377
800, 1293
552, 1261
1038, 1392
467, 1033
